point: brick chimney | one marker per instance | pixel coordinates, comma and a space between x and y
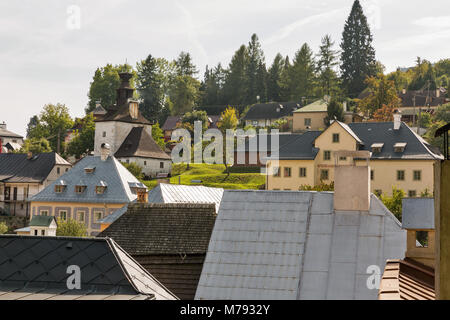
352, 182
125, 91
105, 151
3, 125
418, 220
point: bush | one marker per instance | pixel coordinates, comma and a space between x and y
394, 202
3, 228
71, 228
135, 169
321, 187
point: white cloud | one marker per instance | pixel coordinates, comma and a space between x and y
433, 22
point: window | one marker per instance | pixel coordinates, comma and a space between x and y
335, 137
100, 189
422, 238
81, 216
44, 213
326, 155
400, 175
58, 170
161, 165
14, 141
307, 121
98, 215
412, 193
399, 146
302, 172
67, 169
128, 161
324, 174
287, 171
343, 158
59, 189
43, 232
104, 134
35, 232
80, 189
63, 215
371, 174
377, 147
145, 163
255, 122
276, 171
417, 175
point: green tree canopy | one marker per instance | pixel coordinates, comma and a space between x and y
158, 135
228, 119
71, 228
326, 64
335, 111
52, 124
381, 92
3, 228
135, 169
83, 142
302, 74
35, 145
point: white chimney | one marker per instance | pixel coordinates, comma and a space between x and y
438, 93
344, 105
352, 182
105, 151
3, 125
397, 119
404, 91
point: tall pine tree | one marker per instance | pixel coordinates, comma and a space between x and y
326, 64
236, 78
274, 79
255, 72
358, 55
302, 74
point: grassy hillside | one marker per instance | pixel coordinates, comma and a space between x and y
213, 176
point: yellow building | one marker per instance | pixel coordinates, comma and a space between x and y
93, 189
399, 157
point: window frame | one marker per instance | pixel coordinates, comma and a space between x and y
302, 169
333, 140
326, 155
401, 176
287, 170
322, 171
419, 172
60, 213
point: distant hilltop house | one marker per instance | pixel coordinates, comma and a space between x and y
9, 141
39, 226
94, 188
265, 114
128, 133
172, 122
399, 157
24, 175
313, 116
299, 245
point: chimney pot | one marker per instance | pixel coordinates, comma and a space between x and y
397, 119
29, 155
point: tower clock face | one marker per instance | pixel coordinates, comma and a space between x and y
134, 110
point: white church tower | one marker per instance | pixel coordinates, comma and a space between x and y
129, 133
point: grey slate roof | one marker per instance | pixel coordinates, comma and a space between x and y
110, 171
366, 134
158, 228
176, 193
16, 167
35, 268
293, 245
256, 140
139, 143
171, 122
269, 110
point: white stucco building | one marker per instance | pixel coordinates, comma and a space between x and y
129, 133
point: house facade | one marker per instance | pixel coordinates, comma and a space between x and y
129, 133
310, 117
399, 158
93, 189
24, 175
9, 141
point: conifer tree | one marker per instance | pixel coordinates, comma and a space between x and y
358, 55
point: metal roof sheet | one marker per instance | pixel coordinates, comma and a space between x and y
418, 213
293, 245
175, 193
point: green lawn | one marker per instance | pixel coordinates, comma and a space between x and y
213, 176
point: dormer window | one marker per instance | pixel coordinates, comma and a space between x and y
100, 188
80, 187
399, 147
377, 147
89, 170
60, 186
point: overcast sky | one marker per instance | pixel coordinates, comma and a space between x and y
46, 58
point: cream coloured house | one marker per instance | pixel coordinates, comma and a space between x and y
399, 157
94, 188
